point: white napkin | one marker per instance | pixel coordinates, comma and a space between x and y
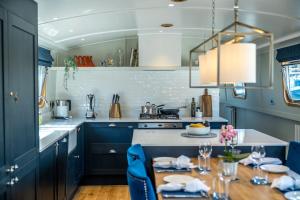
194, 185
169, 187
179, 163
267, 160
283, 183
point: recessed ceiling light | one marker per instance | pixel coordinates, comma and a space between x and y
161, 31
166, 25
82, 39
171, 5
71, 30
55, 18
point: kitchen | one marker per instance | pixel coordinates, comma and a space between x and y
163, 99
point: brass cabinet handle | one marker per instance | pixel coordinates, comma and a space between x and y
15, 180
77, 156
78, 130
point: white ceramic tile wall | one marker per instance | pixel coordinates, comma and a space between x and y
134, 87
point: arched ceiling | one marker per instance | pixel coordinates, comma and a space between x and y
72, 23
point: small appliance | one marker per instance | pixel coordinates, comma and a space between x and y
61, 109
90, 101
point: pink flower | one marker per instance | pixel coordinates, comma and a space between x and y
227, 133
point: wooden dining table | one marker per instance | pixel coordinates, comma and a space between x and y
241, 189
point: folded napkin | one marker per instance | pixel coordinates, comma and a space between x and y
286, 183
267, 160
194, 185
180, 163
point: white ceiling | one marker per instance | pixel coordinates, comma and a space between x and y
71, 23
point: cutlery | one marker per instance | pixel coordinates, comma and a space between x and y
113, 100
172, 170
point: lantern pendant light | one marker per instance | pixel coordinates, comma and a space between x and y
232, 61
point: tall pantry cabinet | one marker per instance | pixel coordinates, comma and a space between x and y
18, 100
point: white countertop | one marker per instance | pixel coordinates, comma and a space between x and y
172, 137
77, 121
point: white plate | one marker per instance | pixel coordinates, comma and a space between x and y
293, 195
275, 168
178, 179
164, 159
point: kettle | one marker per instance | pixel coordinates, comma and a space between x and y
62, 109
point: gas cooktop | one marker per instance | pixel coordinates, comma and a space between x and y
159, 116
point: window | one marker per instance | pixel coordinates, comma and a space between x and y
239, 90
291, 83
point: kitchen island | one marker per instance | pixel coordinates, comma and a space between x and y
172, 143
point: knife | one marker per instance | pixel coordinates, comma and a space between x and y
113, 100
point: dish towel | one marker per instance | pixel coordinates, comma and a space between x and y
195, 185
267, 160
180, 163
285, 183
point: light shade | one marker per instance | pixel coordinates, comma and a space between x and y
237, 64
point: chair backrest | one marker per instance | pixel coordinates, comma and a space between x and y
139, 183
135, 152
293, 161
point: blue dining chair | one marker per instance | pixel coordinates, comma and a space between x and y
135, 152
293, 161
139, 183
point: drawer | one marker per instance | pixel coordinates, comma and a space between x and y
109, 135
108, 148
111, 125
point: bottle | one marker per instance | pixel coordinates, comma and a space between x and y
193, 108
206, 104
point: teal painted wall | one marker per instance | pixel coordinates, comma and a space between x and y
264, 109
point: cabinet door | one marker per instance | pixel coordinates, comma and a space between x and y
3, 139
25, 182
47, 174
80, 151
62, 157
4, 190
21, 91
72, 173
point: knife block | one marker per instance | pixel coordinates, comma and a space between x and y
115, 111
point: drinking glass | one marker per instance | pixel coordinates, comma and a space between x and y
205, 151
219, 188
258, 152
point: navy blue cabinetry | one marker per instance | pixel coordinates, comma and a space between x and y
53, 171
18, 100
75, 164
105, 148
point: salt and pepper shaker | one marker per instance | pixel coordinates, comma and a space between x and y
193, 108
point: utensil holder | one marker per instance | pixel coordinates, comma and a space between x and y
115, 111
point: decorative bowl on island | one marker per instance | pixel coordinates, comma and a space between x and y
197, 129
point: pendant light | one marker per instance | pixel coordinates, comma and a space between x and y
233, 60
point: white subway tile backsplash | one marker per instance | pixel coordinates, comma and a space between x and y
134, 87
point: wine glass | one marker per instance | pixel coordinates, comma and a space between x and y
258, 152
205, 151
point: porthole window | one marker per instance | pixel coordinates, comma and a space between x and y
291, 83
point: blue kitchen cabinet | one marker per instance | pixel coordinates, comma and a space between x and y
75, 165
47, 173
18, 99
106, 145
53, 171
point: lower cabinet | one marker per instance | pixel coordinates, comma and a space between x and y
106, 145
52, 171
75, 165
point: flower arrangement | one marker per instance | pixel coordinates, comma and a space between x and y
228, 135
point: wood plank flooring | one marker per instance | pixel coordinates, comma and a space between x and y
107, 192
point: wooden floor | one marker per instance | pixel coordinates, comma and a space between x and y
111, 192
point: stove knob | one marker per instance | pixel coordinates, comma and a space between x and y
160, 125
174, 126
145, 126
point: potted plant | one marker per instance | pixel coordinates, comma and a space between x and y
69, 63
231, 157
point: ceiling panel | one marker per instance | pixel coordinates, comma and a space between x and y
67, 22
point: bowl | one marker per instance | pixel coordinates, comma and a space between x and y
197, 130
